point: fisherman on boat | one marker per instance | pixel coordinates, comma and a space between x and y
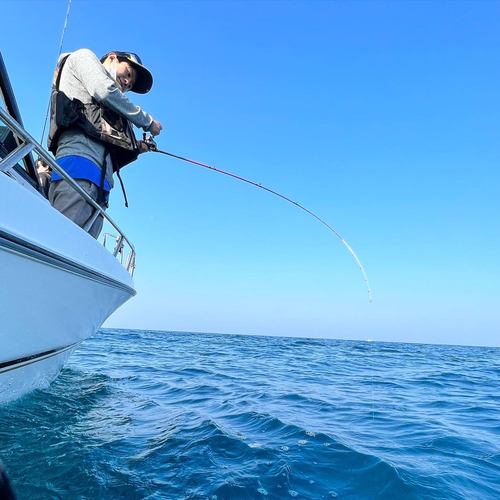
90, 127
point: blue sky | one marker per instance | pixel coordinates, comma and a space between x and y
380, 117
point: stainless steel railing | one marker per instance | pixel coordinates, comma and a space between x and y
28, 145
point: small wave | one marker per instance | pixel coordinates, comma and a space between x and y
174, 418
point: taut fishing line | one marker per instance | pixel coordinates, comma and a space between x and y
153, 147
60, 51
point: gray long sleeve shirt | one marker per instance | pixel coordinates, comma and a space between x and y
84, 77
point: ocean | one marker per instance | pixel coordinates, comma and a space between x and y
170, 415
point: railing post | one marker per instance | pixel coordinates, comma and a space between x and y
14, 157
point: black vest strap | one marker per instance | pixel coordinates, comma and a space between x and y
123, 187
100, 193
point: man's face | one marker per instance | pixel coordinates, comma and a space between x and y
125, 73
125, 76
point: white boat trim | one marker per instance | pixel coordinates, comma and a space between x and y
17, 245
15, 364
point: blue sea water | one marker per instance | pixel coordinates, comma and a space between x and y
169, 415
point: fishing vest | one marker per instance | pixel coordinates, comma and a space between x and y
95, 119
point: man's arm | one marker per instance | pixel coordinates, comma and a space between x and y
103, 88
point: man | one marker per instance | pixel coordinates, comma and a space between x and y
90, 133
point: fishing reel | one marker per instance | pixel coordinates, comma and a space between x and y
150, 142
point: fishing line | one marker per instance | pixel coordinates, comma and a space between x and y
152, 147
60, 51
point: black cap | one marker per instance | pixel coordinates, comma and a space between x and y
144, 79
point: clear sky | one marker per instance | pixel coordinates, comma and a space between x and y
382, 117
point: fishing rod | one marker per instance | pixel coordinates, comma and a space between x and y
152, 146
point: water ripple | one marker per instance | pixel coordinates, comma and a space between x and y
206, 416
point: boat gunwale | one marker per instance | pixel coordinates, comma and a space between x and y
16, 244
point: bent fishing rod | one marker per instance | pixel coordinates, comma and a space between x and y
152, 146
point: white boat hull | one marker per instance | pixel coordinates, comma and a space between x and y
32, 373
57, 287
